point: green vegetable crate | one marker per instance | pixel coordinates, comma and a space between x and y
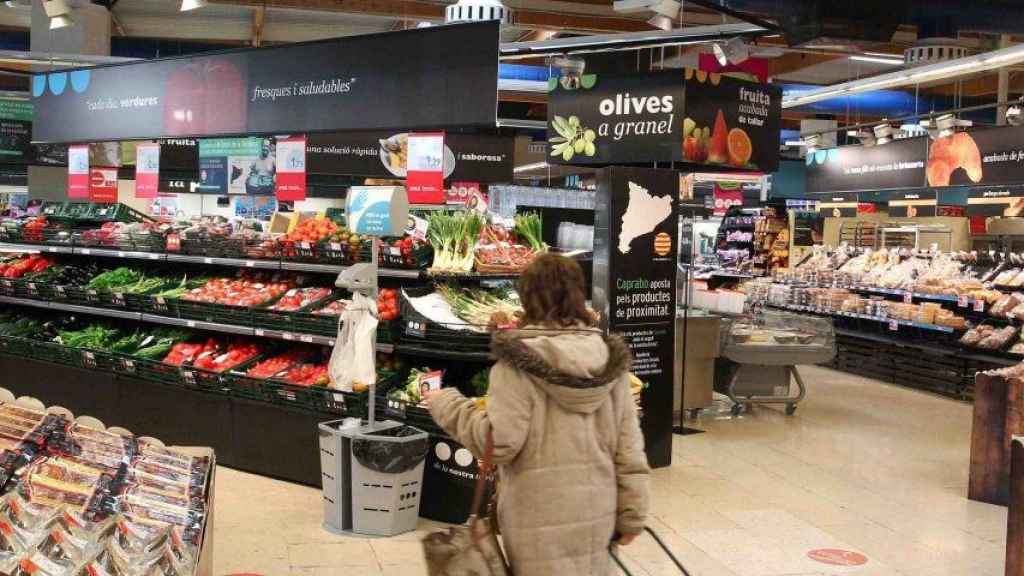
56, 353
15, 346
153, 370
95, 359
35, 290
60, 293
281, 392
160, 306
245, 386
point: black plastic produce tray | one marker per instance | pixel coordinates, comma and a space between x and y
281, 392
35, 290
391, 257
160, 306
216, 382
418, 329
56, 353
7, 286
16, 346
219, 313
156, 371
330, 401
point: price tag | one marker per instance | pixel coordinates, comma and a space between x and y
32, 287
339, 399
160, 300
330, 343
979, 305
335, 246
173, 242
128, 366
59, 291
88, 359
287, 336
154, 256
395, 408
207, 260
894, 325
962, 301
908, 297
249, 264
304, 245
120, 254
189, 377
117, 299
417, 329
306, 338
85, 251
52, 249
259, 332
191, 323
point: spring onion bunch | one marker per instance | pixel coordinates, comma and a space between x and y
453, 236
528, 229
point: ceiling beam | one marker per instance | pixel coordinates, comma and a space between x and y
413, 9
980, 86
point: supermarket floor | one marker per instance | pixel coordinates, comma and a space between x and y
876, 470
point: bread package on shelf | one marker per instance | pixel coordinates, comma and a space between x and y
1006, 304
989, 337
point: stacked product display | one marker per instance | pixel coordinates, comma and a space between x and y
963, 306
81, 501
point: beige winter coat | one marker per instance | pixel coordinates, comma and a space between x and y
568, 443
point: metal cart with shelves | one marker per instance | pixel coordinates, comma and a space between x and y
765, 351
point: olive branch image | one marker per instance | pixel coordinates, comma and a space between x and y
572, 138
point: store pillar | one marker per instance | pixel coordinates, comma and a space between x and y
635, 229
89, 36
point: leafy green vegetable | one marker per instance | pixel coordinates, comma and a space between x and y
95, 336
122, 276
528, 227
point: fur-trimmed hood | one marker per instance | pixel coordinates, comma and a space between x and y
577, 367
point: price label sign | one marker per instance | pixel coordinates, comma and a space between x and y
979, 305
962, 301
894, 325
908, 297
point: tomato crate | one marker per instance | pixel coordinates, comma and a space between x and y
309, 323
219, 313
341, 403
160, 306
193, 246
299, 251
273, 319
15, 346
281, 392
245, 386
156, 371
391, 257
148, 242
254, 248
206, 380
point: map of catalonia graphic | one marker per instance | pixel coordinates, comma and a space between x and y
643, 214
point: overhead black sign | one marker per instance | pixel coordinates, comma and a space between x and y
984, 157
899, 164
416, 79
635, 254
469, 157
670, 116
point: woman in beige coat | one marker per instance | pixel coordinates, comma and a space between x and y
566, 436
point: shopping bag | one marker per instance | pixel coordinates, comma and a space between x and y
353, 359
468, 550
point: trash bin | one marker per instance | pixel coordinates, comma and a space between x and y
372, 477
387, 479
450, 479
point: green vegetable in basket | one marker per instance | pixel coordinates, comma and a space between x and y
528, 229
95, 337
481, 383
159, 343
122, 276
145, 285
180, 288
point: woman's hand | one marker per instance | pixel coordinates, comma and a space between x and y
626, 539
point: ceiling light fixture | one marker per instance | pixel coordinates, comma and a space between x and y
883, 133
187, 5
867, 139
62, 21
970, 64
733, 51
878, 60
943, 125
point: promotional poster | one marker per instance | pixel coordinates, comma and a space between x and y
351, 83
15, 131
635, 255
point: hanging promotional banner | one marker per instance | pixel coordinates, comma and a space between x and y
474, 157
291, 168
759, 68
982, 157
420, 79
635, 257
78, 171
670, 116
727, 195
15, 131
237, 166
895, 165
102, 184
147, 170
425, 174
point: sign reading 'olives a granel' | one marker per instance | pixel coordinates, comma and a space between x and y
672, 116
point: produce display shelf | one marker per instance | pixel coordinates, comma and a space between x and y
427, 351
15, 248
170, 321
185, 258
960, 352
837, 313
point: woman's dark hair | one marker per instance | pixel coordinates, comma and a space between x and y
551, 290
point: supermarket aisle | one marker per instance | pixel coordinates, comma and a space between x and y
871, 477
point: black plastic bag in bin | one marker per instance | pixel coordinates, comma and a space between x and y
391, 451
